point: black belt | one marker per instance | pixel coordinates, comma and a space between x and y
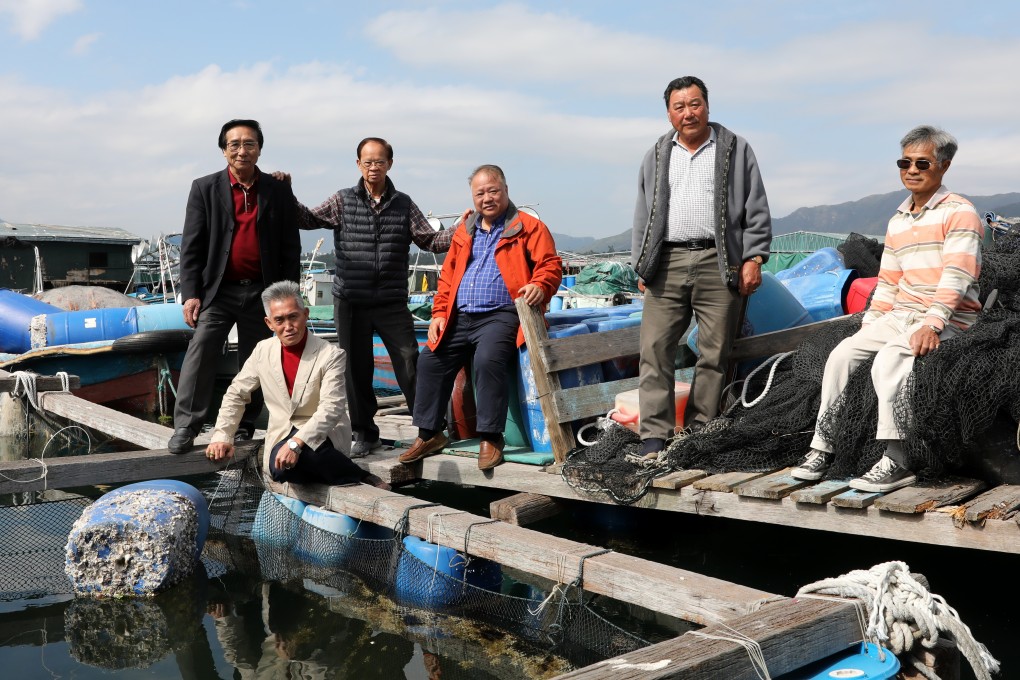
246, 282
695, 244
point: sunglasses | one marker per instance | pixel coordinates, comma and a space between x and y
922, 164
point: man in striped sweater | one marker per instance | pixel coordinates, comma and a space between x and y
927, 292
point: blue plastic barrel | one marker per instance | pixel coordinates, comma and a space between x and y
620, 367
822, 295
860, 662
771, 308
90, 325
277, 520
531, 410
818, 262
138, 539
555, 303
17, 312
416, 581
163, 317
568, 282
328, 544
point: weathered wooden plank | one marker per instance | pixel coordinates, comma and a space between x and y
677, 480
524, 508
925, 497
546, 384
727, 481
791, 634
998, 503
150, 436
582, 350
933, 528
773, 486
822, 492
396, 428
767, 344
658, 587
589, 401
855, 499
43, 383
107, 468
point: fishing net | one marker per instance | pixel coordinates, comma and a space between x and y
862, 253
954, 396
288, 567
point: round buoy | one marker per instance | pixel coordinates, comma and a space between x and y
433, 576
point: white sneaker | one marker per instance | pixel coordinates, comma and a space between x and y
885, 475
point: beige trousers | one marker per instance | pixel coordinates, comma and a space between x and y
688, 282
888, 339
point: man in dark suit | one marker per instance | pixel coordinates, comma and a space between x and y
240, 235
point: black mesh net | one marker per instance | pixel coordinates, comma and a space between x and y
953, 397
862, 253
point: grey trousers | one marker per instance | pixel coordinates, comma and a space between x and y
688, 282
888, 340
355, 325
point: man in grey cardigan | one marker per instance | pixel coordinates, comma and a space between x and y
702, 230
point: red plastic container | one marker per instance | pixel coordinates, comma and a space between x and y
857, 296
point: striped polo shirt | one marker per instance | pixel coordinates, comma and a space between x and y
931, 262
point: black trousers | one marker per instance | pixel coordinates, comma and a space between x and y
233, 303
323, 465
489, 341
354, 327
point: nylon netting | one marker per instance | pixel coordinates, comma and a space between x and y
363, 577
953, 398
861, 253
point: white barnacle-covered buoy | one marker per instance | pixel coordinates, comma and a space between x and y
137, 540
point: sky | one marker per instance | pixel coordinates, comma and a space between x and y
111, 108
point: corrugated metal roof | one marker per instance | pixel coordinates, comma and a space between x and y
50, 232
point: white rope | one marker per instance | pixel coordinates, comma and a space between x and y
560, 587
774, 361
902, 610
752, 646
600, 424
24, 386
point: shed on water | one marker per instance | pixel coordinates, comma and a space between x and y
49, 256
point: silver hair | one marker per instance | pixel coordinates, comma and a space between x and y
945, 144
282, 290
491, 171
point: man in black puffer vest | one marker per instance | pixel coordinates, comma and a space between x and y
373, 227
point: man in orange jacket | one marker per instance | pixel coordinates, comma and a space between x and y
498, 255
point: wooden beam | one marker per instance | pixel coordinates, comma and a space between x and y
593, 348
589, 401
822, 492
547, 384
999, 503
43, 383
726, 481
107, 468
790, 633
524, 508
925, 497
146, 435
657, 587
767, 344
775, 485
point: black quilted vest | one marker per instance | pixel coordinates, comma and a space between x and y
372, 248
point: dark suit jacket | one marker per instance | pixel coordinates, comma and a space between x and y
209, 228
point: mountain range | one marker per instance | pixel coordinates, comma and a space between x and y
868, 215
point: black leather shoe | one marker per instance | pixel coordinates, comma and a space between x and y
182, 440
243, 434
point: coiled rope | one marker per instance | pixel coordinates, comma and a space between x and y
24, 386
902, 610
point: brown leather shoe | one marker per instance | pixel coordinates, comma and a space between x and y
490, 454
419, 449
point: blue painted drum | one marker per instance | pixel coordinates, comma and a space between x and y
417, 583
861, 662
323, 539
277, 520
137, 540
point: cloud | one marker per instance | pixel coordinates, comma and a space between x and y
30, 17
83, 44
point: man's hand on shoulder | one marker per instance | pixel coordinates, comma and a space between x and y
191, 308
280, 176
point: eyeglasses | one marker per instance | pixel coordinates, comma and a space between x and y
248, 145
921, 164
373, 164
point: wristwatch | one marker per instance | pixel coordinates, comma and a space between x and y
938, 331
294, 446
757, 258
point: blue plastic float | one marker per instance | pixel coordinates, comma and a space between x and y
822, 295
137, 539
418, 583
821, 261
860, 662
327, 544
277, 520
